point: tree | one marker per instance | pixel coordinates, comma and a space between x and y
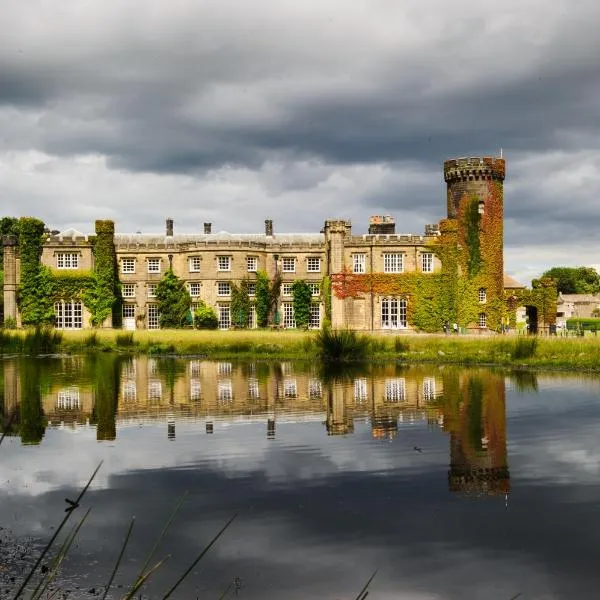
240, 305
302, 300
263, 299
572, 280
173, 301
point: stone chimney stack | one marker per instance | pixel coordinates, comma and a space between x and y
269, 227
170, 227
207, 227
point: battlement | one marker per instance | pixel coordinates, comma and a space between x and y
473, 168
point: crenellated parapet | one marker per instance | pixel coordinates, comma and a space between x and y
474, 168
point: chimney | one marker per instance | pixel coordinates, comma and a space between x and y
207, 227
170, 226
382, 224
269, 227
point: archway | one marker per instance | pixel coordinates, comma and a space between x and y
531, 313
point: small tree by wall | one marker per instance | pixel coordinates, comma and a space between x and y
173, 301
205, 317
302, 300
240, 305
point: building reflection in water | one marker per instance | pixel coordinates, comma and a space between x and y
103, 390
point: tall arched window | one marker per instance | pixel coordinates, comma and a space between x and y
393, 313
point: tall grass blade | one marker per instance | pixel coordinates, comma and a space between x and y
364, 593
199, 557
70, 510
62, 553
142, 580
119, 558
159, 539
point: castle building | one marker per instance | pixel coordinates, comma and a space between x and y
381, 280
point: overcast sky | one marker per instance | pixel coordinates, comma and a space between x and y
236, 111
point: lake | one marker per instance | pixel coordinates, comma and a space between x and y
453, 483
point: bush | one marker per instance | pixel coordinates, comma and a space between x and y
583, 324
341, 345
205, 317
124, 339
524, 347
10, 323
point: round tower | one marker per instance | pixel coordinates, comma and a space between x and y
471, 176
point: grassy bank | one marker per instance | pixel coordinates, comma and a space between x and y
544, 352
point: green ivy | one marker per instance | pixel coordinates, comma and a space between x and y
263, 301
173, 301
205, 316
240, 305
103, 294
326, 295
472, 220
36, 288
302, 301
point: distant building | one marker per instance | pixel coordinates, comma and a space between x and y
575, 305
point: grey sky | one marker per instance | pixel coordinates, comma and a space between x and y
233, 112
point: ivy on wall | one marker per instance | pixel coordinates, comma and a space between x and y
302, 301
36, 287
240, 304
326, 296
103, 293
542, 297
173, 301
470, 249
263, 299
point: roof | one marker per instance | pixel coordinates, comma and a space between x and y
510, 283
579, 298
221, 236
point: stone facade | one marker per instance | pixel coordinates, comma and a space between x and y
210, 262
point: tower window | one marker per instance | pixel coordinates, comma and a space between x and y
482, 295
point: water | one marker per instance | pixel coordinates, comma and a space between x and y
453, 483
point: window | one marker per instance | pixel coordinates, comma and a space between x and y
223, 263
154, 390
482, 320
152, 290
67, 260
288, 264
224, 317
154, 265
315, 289
194, 290
68, 398
427, 262
393, 263
225, 389
358, 263
194, 368
360, 389
129, 391
395, 390
429, 388
252, 262
68, 314
128, 265
252, 317
286, 289
128, 311
290, 388
313, 264
482, 295
194, 264
288, 315
253, 389
251, 289
153, 320
129, 369
129, 290
195, 390
393, 313
315, 389
223, 288
314, 317
224, 368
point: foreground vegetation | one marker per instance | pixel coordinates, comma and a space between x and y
582, 353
